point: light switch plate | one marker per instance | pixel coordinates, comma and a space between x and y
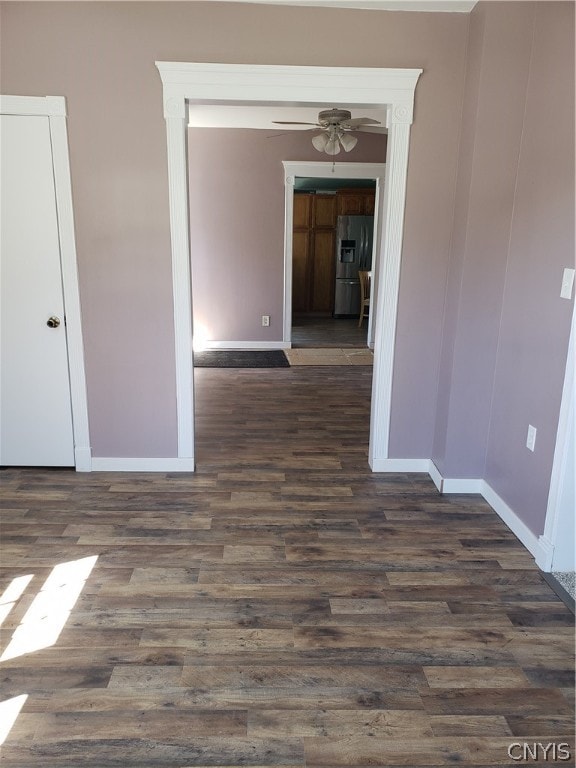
567, 283
531, 437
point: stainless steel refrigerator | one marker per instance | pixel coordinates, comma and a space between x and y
354, 238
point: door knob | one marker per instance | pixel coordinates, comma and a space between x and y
53, 322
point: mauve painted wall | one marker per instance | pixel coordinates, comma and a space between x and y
100, 56
237, 225
535, 324
501, 36
432, 169
458, 245
506, 328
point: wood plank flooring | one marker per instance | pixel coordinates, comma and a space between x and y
280, 607
317, 331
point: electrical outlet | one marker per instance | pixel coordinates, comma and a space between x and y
265, 321
531, 437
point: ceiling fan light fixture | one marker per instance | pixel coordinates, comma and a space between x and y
320, 142
348, 141
332, 146
335, 124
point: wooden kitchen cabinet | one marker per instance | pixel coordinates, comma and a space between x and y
324, 212
323, 271
355, 202
301, 252
300, 271
313, 253
302, 211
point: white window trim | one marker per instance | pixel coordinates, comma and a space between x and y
246, 84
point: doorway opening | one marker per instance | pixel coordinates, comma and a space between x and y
332, 243
334, 237
293, 86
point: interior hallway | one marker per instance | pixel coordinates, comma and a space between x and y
282, 606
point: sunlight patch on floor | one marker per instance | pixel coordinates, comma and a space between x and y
9, 711
45, 618
12, 594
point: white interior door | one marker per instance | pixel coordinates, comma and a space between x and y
35, 404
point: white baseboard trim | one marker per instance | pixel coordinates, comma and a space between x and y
545, 556
400, 465
539, 547
507, 514
101, 464
533, 543
437, 478
248, 345
462, 485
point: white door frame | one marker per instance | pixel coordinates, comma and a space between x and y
562, 476
247, 84
54, 107
327, 170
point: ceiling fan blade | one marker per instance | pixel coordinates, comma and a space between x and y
356, 121
290, 133
370, 129
290, 122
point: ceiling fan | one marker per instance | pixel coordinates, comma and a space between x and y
336, 126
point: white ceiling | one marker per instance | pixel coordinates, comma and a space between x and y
431, 6
216, 116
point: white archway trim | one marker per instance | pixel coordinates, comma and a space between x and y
54, 107
246, 84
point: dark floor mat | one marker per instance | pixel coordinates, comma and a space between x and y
220, 358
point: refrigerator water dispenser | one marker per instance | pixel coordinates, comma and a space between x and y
347, 251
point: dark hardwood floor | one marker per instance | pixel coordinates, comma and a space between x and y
280, 607
317, 331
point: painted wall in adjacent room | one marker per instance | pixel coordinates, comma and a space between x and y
237, 225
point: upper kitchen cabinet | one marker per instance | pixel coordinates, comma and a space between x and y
324, 211
302, 211
355, 202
